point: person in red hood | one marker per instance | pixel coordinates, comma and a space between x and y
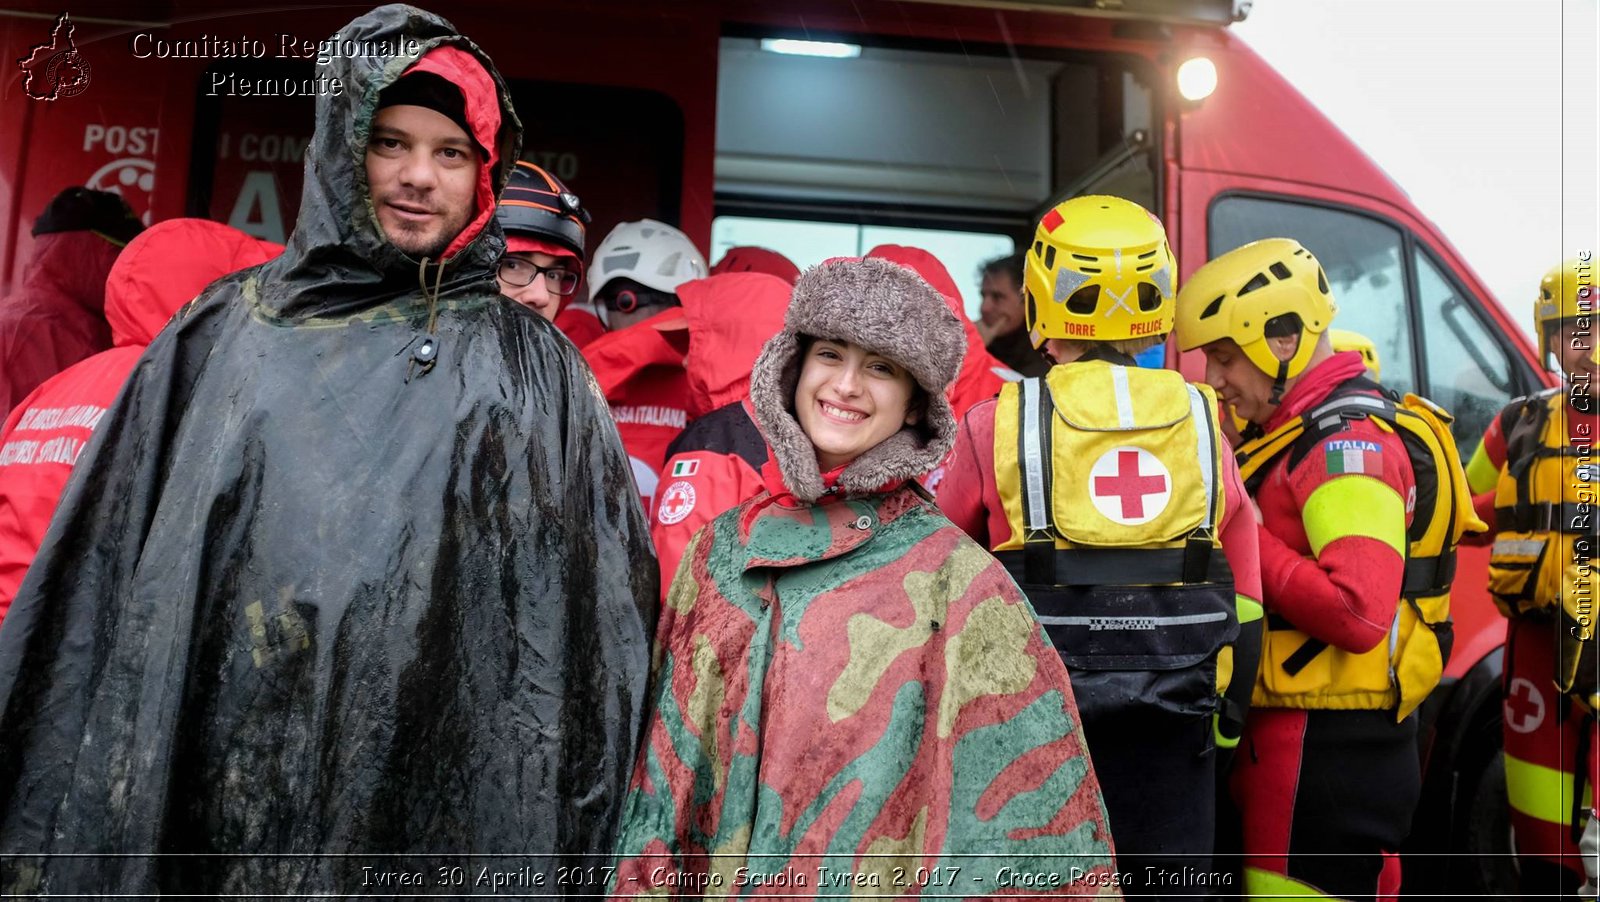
637, 272
748, 258
58, 318
160, 271
716, 462
544, 225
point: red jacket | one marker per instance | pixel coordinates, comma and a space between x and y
160, 271
57, 317
715, 464
979, 379
579, 325
1343, 593
679, 364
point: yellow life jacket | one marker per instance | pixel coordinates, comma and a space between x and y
1298, 671
1542, 562
1110, 478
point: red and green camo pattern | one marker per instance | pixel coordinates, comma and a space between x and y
853, 699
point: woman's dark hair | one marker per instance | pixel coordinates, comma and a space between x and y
919, 406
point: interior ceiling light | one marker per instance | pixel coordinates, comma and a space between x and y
829, 49
1197, 78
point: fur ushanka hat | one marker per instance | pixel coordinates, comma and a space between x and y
889, 310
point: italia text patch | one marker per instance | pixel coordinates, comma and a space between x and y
1346, 455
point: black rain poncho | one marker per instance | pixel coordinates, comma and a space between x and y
303, 596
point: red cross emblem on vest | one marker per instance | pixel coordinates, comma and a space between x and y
1129, 485
1524, 706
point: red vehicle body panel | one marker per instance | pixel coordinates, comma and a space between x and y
135, 126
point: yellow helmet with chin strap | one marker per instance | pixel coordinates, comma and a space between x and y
1565, 292
1099, 269
1237, 294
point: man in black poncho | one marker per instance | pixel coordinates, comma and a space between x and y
355, 564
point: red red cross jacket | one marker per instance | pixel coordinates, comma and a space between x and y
684, 362
159, 271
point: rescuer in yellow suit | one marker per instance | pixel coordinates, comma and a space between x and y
1535, 470
1361, 501
1110, 494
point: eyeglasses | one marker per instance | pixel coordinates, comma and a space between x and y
519, 272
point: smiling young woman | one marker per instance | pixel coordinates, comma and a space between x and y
833, 651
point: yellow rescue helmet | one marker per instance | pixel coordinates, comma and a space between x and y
1345, 340
1237, 294
1099, 269
1565, 292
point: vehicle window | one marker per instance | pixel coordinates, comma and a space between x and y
957, 150
809, 243
1469, 372
1363, 260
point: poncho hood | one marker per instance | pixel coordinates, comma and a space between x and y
338, 260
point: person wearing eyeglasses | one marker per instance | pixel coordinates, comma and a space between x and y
543, 266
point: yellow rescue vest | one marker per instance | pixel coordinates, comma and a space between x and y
1134, 459
1110, 478
1298, 671
1542, 562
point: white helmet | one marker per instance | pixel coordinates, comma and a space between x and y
651, 253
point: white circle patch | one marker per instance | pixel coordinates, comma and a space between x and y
676, 503
1129, 486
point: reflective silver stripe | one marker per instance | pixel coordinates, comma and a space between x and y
1134, 622
1518, 547
1349, 401
1033, 462
1119, 385
1327, 417
1208, 455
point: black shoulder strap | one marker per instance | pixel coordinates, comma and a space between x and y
1522, 424
1352, 400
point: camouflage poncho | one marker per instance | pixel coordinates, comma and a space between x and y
855, 698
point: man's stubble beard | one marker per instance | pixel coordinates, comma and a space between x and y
418, 245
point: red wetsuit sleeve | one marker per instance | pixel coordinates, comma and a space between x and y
969, 470
1336, 573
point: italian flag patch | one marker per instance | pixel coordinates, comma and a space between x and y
685, 467
1353, 456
